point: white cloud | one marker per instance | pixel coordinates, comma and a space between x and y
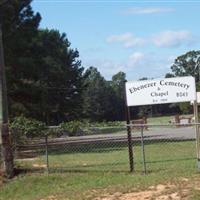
171, 59
107, 67
147, 10
127, 39
172, 38
135, 59
137, 65
119, 38
110, 67
167, 39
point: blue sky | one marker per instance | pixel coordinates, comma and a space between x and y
140, 38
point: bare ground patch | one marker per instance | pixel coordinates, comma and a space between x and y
39, 166
180, 190
51, 197
25, 159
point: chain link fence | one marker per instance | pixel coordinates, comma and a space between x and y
165, 148
29, 156
1, 161
156, 148
101, 150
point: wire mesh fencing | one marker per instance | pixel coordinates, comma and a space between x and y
1, 159
101, 150
29, 155
165, 148
156, 149
6, 157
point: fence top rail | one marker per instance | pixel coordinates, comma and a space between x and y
167, 124
138, 125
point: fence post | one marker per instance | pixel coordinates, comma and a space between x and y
46, 154
143, 151
130, 148
195, 106
5, 137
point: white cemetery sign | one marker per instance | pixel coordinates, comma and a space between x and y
159, 91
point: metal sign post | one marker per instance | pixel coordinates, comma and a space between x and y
130, 148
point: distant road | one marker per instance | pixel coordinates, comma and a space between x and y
182, 133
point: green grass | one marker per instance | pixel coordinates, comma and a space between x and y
86, 171
83, 175
160, 120
117, 130
115, 158
122, 128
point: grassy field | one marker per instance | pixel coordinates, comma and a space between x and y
154, 120
160, 120
101, 171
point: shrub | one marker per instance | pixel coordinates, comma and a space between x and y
54, 132
106, 124
23, 128
74, 128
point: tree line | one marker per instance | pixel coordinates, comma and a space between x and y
46, 80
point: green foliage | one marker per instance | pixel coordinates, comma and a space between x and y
97, 102
54, 132
198, 86
187, 64
76, 128
144, 111
169, 75
19, 26
103, 100
106, 124
44, 75
185, 107
59, 79
117, 84
49, 85
73, 128
24, 128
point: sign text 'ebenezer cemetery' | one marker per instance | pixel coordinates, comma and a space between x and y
159, 91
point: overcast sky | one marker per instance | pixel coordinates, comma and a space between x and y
140, 38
